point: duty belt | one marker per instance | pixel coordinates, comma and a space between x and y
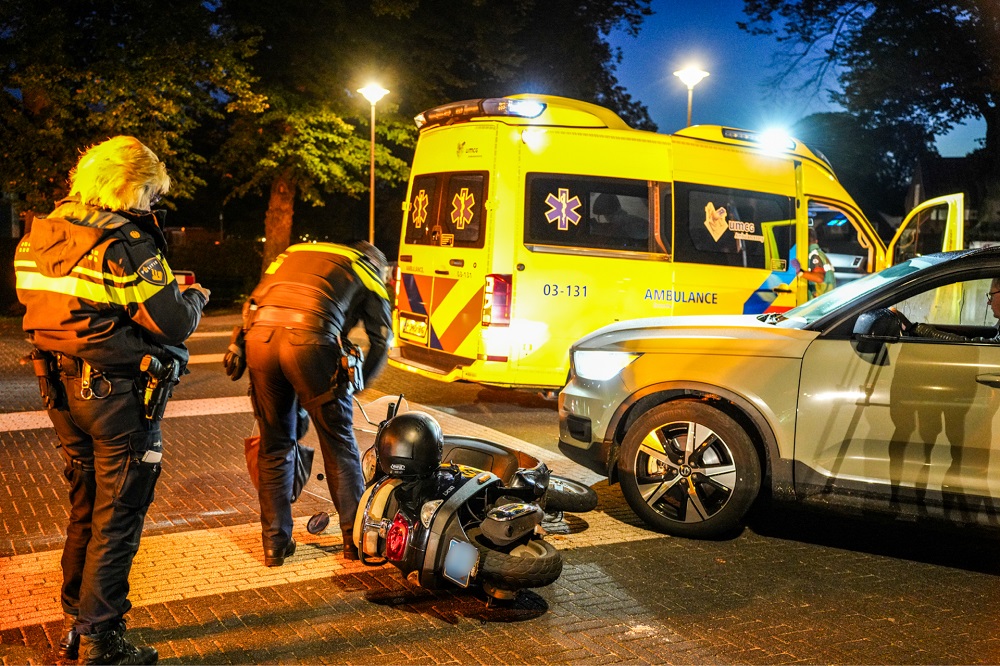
288, 318
93, 384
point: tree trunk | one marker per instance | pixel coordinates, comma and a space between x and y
278, 220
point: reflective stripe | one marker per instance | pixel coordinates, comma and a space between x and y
312, 247
118, 279
366, 274
369, 278
96, 292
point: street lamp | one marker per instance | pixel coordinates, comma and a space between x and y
690, 76
373, 93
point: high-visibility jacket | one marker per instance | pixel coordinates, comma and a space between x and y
336, 284
96, 286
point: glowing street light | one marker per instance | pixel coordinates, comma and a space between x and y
691, 76
373, 93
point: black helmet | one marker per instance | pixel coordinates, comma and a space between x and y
410, 445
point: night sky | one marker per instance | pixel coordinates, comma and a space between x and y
704, 33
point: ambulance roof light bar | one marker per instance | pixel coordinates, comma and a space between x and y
772, 139
473, 108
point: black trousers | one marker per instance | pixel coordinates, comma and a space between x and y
288, 366
104, 442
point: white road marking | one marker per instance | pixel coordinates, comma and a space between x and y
176, 408
197, 359
451, 425
210, 334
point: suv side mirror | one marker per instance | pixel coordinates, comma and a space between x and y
874, 329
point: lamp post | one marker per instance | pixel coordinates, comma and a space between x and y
691, 76
373, 93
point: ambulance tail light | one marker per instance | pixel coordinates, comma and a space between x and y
496, 300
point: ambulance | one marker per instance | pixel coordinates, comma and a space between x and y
531, 220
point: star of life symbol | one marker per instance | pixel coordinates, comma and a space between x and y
461, 211
562, 209
420, 209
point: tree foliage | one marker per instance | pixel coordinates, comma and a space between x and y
928, 63
313, 142
264, 93
872, 163
76, 73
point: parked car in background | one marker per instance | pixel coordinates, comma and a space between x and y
829, 403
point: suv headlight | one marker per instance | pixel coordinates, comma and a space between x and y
601, 365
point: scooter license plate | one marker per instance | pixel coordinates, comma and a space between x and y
460, 562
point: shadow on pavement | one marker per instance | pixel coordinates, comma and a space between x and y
930, 542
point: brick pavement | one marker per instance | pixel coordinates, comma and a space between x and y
792, 589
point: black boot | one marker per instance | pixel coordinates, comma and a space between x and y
69, 645
111, 647
350, 549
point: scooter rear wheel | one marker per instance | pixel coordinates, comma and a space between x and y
534, 564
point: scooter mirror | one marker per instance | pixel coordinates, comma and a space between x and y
382, 409
318, 523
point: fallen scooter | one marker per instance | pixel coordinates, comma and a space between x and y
459, 510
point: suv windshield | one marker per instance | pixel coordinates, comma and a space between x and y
822, 305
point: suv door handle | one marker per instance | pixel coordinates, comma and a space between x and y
993, 381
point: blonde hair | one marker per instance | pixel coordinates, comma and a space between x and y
119, 174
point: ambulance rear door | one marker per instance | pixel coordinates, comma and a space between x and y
445, 250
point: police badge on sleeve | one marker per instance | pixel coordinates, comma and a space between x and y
152, 271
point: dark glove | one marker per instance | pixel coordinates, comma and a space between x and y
235, 359
905, 324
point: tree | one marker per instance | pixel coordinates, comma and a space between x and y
872, 163
929, 63
312, 144
77, 73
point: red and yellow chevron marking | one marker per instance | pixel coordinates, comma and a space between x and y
467, 320
454, 314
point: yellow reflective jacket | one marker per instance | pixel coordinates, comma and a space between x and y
97, 286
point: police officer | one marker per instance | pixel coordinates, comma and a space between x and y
99, 298
298, 319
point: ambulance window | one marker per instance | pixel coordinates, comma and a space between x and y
462, 210
447, 209
841, 241
729, 227
923, 235
423, 210
588, 212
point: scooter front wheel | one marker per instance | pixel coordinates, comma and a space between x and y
536, 563
565, 494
